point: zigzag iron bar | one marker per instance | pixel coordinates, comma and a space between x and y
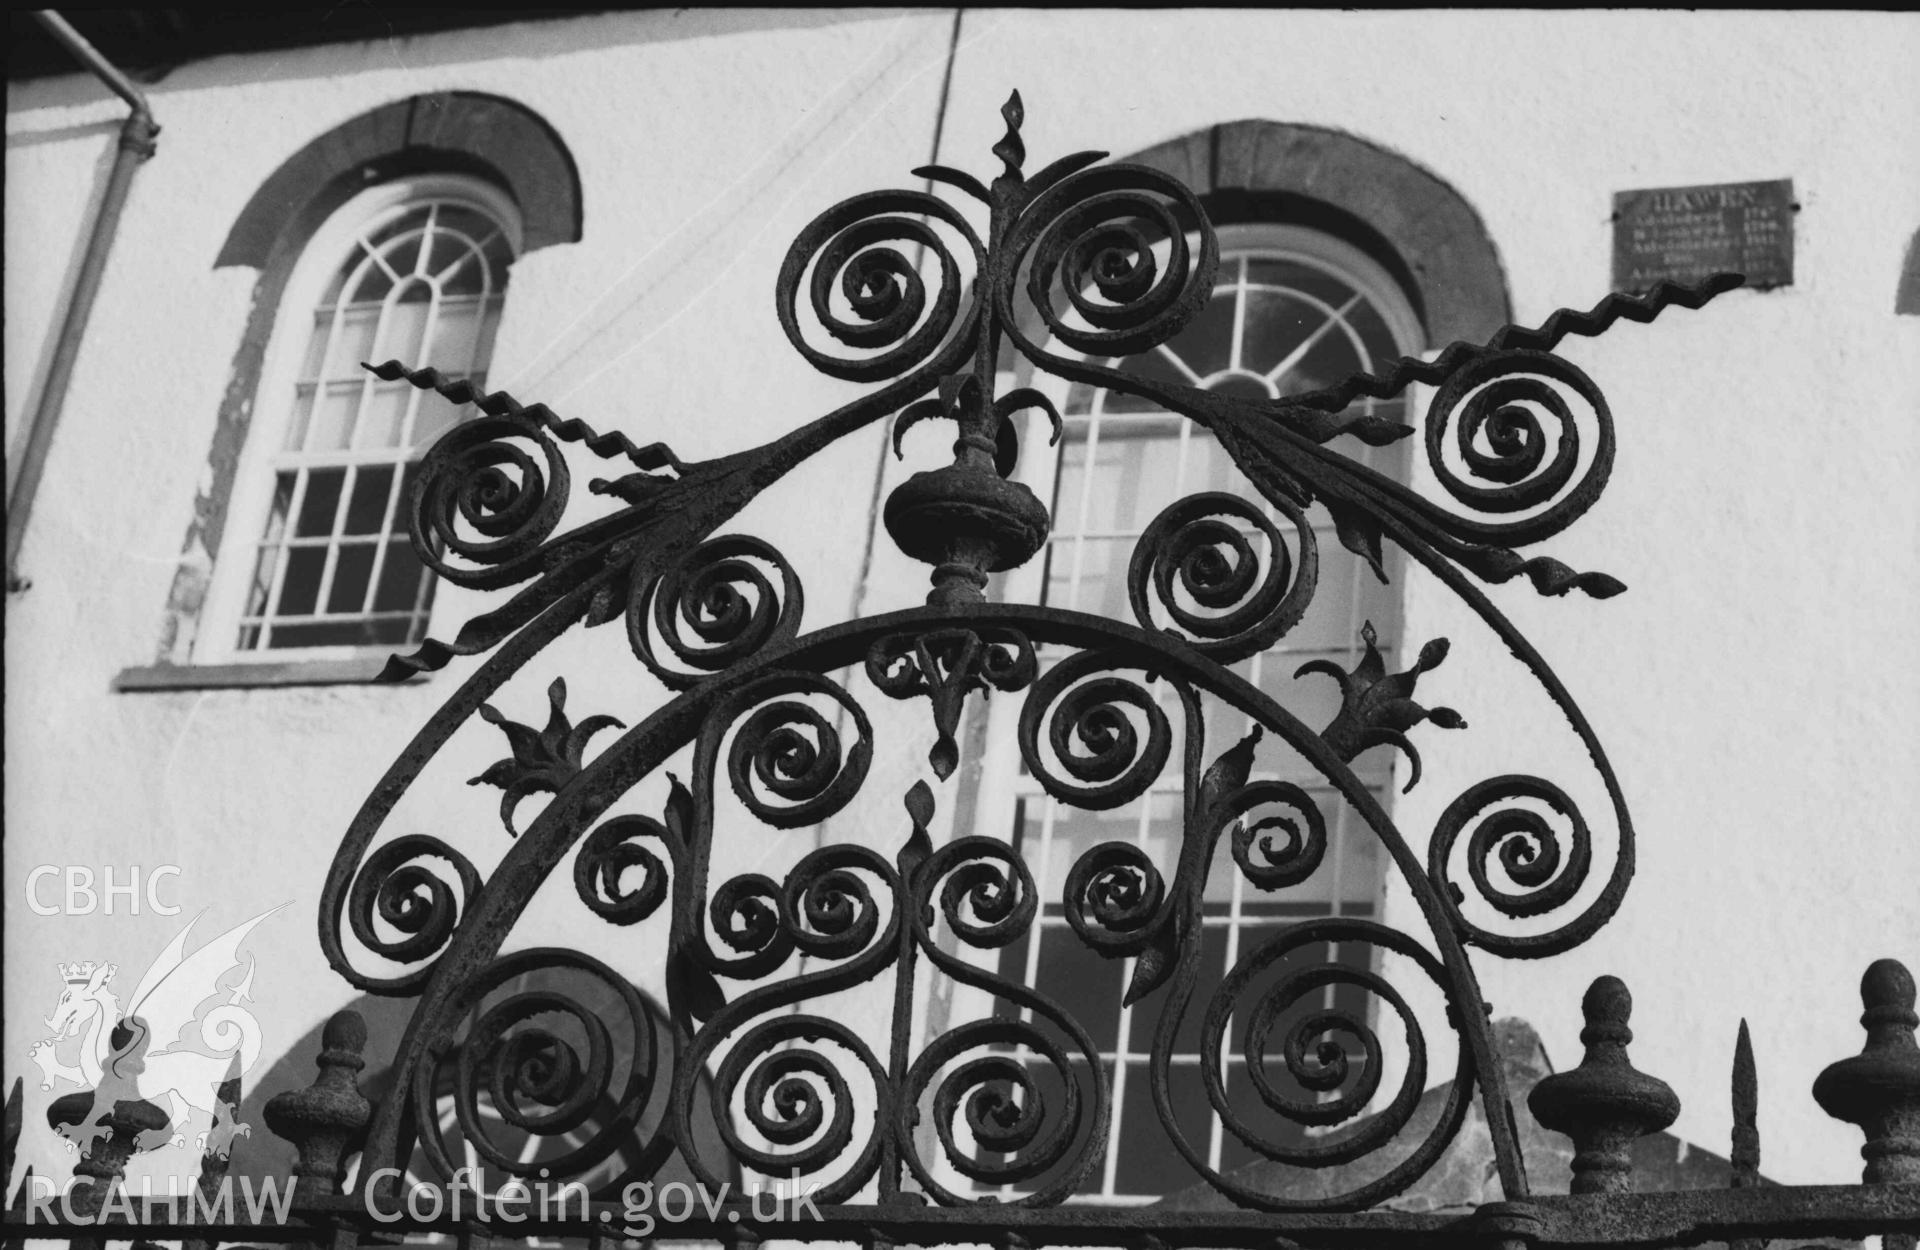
1615, 307
550, 607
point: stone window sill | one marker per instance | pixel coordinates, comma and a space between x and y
355, 672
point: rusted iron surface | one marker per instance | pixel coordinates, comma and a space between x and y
1110, 259
982, 1130
1605, 1103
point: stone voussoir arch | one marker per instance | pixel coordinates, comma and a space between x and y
466, 132
443, 132
1417, 225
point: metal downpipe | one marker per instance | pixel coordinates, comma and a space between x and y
136, 144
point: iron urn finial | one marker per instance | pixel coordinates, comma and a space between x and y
327, 1117
1879, 1088
1605, 1103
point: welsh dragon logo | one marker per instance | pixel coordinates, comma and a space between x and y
179, 1038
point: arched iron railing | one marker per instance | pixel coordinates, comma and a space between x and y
916, 1138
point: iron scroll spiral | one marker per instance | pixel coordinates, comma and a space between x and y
1197, 542
988, 899
1115, 260
395, 887
1268, 865
788, 1074
603, 860
1313, 1046
787, 765
891, 313
1531, 855
1091, 735
550, 1069
478, 479
1518, 443
798, 1099
1092, 237
1113, 897
721, 595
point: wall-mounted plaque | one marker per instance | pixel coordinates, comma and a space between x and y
1683, 234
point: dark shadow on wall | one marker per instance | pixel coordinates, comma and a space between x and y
263, 1154
1906, 301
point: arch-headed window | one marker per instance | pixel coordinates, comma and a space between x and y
388, 235
316, 561
1293, 310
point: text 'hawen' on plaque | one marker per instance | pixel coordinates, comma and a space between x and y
1684, 234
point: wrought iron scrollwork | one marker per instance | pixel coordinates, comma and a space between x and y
1111, 259
1239, 609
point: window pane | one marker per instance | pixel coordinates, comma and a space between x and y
1326, 362
351, 572
370, 281
1277, 323
399, 578
405, 326
357, 326
1136, 466
301, 588
1206, 343
367, 510
1372, 329
321, 502
464, 274
1085, 984
456, 333
384, 416
1148, 1011
434, 415
1155, 365
403, 256
352, 633
1361, 866
332, 425
1148, 1162
1101, 567
1263, 1123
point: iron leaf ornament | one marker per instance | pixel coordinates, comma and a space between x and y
1082, 261
542, 760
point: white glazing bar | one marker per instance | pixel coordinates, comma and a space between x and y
349, 478
1238, 344
1334, 316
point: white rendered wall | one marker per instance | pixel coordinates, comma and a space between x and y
1753, 686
